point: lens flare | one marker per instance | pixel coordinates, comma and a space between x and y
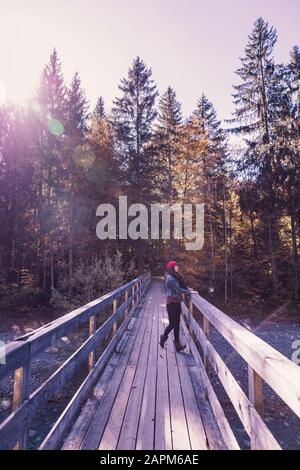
55, 127
83, 156
2, 92
36, 107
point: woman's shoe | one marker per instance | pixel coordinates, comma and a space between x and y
162, 340
179, 347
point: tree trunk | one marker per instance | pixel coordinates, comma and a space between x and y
44, 269
52, 272
170, 201
295, 255
226, 250
212, 253
230, 251
13, 255
71, 249
70, 264
253, 233
273, 255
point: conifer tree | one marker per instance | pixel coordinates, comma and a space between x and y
50, 165
251, 97
76, 160
166, 139
77, 110
207, 116
52, 90
99, 110
254, 100
132, 118
286, 151
213, 186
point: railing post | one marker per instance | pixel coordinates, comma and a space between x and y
21, 393
189, 323
191, 312
126, 298
115, 306
206, 329
256, 395
132, 292
92, 329
256, 398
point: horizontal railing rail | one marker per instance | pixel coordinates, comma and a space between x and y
265, 364
19, 354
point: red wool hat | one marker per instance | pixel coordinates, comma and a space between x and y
171, 264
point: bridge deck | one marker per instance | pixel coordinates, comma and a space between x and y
147, 398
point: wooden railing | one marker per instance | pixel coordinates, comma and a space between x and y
19, 354
264, 364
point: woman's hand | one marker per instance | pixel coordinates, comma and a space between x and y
193, 291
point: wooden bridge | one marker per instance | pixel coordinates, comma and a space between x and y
138, 396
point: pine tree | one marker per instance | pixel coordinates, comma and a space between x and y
77, 158
294, 80
52, 90
255, 103
104, 173
16, 196
77, 110
50, 157
251, 97
207, 116
213, 186
166, 139
286, 151
132, 118
99, 110
215, 160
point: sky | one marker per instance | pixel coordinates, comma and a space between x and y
192, 45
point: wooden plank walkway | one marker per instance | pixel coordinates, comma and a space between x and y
147, 397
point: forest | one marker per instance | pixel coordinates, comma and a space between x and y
59, 160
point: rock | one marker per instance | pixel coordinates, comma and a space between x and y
52, 350
28, 330
65, 340
5, 404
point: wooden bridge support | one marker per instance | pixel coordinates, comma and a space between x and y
20, 394
256, 398
92, 330
115, 308
126, 299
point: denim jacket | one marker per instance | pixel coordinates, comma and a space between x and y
173, 288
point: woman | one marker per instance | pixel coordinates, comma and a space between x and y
175, 287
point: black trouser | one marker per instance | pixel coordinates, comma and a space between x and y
174, 310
